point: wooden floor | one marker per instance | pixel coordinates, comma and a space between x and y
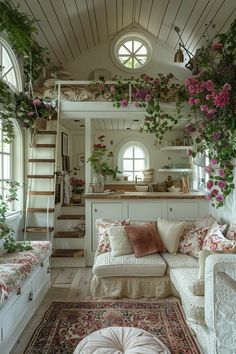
68, 284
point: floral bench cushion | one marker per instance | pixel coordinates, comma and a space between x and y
11, 277
41, 249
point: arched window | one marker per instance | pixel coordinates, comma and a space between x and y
133, 158
10, 156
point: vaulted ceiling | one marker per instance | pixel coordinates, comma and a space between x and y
70, 28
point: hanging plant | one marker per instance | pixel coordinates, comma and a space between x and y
6, 232
147, 92
7, 111
20, 30
212, 97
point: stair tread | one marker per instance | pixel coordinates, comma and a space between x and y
73, 205
48, 132
38, 229
70, 217
40, 176
45, 145
68, 253
68, 234
41, 192
40, 210
42, 160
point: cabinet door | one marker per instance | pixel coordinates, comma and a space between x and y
182, 210
113, 211
144, 211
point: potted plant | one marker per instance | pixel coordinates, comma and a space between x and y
34, 112
101, 162
78, 185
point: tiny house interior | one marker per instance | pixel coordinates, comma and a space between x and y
118, 123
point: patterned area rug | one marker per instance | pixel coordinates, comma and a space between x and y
65, 324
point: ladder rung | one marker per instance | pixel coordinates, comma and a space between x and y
71, 217
68, 234
41, 193
37, 229
40, 176
48, 132
40, 210
45, 145
41, 160
68, 253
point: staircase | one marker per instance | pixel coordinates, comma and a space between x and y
40, 202
68, 244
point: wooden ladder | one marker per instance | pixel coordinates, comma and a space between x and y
40, 201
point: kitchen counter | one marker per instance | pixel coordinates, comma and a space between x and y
146, 195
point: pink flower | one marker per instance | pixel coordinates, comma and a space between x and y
146, 78
208, 197
213, 162
112, 89
208, 169
209, 184
220, 198
216, 136
30, 114
221, 184
191, 89
221, 172
217, 46
189, 152
211, 111
209, 85
36, 101
227, 87
214, 192
221, 99
197, 101
124, 103
190, 128
204, 107
208, 97
148, 98
191, 100
101, 87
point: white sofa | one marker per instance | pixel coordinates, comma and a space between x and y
212, 317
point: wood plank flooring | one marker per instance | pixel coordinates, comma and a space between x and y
68, 284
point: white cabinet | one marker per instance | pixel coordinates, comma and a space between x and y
182, 211
20, 307
144, 210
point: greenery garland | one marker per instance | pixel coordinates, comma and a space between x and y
6, 232
7, 111
20, 30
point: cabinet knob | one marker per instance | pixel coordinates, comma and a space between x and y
171, 209
95, 210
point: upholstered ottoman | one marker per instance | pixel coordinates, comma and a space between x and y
121, 340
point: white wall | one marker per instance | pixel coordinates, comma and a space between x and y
100, 57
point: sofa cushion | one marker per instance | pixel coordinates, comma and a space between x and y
215, 241
193, 305
170, 232
128, 265
102, 226
145, 239
119, 240
192, 240
179, 260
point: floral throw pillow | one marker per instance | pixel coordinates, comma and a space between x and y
231, 233
192, 240
215, 241
102, 226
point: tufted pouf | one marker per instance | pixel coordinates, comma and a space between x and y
121, 340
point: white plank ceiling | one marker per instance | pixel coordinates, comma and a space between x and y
69, 28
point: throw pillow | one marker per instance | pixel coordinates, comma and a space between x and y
231, 233
192, 240
102, 226
215, 241
119, 241
205, 221
170, 232
145, 239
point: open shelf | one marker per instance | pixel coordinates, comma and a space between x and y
175, 170
170, 148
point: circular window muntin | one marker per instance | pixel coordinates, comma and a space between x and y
131, 36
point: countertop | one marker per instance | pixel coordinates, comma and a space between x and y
146, 195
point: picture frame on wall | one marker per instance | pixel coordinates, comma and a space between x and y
64, 144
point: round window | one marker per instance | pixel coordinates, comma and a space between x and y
132, 51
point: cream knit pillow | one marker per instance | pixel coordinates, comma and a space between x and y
119, 241
170, 232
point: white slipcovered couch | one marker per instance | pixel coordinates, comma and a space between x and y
212, 317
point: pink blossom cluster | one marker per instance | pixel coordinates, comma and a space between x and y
205, 96
216, 189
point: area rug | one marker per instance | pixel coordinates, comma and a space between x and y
65, 324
